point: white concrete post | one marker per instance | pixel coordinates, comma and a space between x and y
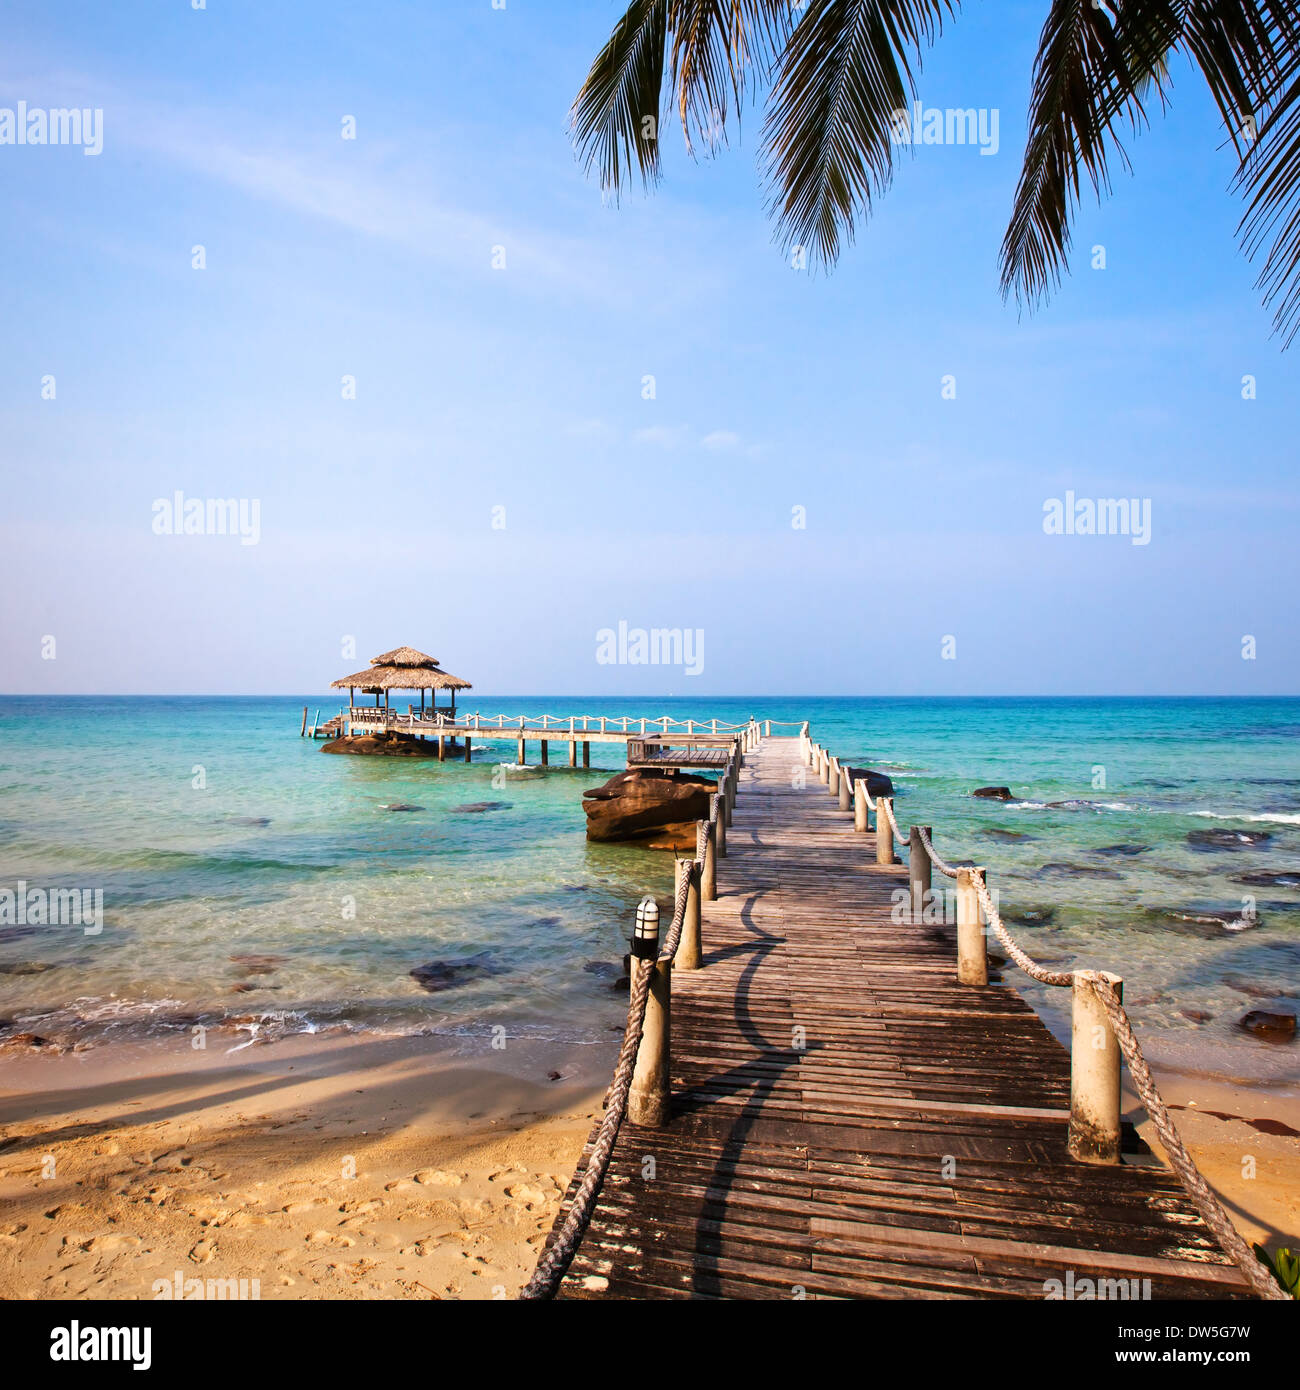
972, 955
690, 949
1094, 1074
884, 833
647, 1101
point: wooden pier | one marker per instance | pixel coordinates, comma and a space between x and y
844, 1118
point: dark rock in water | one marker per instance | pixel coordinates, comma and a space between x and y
1031, 916
1206, 922
605, 968
1255, 991
1010, 836
622, 985
473, 808
1227, 839
441, 975
15, 933
994, 793
1197, 1015
388, 745
655, 807
1127, 851
878, 783
250, 820
1086, 870
1262, 879
552, 1075
258, 965
1270, 1027
545, 922
402, 806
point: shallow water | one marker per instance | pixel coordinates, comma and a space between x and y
215, 832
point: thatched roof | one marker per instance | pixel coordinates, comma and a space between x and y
403, 656
391, 677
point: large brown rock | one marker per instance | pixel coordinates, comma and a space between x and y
655, 807
389, 745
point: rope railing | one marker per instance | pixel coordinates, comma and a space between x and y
1090, 1092
697, 881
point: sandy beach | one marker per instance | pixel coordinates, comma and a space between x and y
364, 1167
351, 1168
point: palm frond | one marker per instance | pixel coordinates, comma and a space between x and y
616, 114
1087, 77
843, 77
716, 44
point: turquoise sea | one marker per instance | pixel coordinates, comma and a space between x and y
215, 833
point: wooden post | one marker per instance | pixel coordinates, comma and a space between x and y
720, 825
586, 752
522, 756
1094, 1074
833, 780
709, 886
884, 833
573, 750
442, 748
546, 753
918, 872
467, 749
846, 789
768, 729
824, 771
303, 733
860, 804
972, 957
648, 1097
690, 954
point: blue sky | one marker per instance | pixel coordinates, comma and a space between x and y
522, 387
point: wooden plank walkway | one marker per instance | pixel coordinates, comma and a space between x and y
910, 1143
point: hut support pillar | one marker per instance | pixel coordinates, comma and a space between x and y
467, 743
573, 752
546, 753
586, 752
522, 756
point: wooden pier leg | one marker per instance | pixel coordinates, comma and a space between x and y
573, 751
546, 754
586, 752
1094, 1074
442, 748
522, 756
690, 953
918, 872
709, 886
884, 834
846, 789
648, 1097
860, 804
972, 956
467, 747
303, 734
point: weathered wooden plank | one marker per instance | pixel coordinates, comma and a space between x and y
849, 1121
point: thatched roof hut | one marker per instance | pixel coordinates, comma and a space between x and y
403, 668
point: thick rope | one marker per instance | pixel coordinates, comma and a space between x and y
948, 870
554, 1264
1209, 1206
1031, 967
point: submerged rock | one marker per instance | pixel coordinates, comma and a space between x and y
655, 807
1269, 1026
1127, 851
1086, 870
439, 975
994, 793
878, 783
1009, 836
1205, 922
474, 808
1287, 878
1227, 839
1030, 916
402, 806
250, 820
